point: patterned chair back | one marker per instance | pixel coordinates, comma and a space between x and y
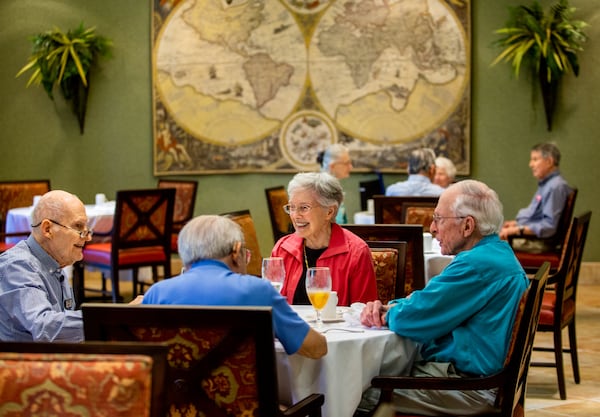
19, 194
412, 234
76, 379
280, 221
244, 219
389, 260
221, 359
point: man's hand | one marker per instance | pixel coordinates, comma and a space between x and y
373, 315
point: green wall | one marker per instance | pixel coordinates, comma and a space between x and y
40, 138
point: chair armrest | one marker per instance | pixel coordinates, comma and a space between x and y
410, 382
309, 406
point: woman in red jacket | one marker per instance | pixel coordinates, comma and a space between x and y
314, 199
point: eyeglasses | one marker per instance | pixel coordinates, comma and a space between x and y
301, 209
437, 218
248, 256
82, 233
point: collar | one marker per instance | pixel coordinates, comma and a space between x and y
48, 262
548, 177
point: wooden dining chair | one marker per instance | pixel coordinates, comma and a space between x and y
140, 237
17, 194
221, 359
405, 210
82, 379
185, 201
412, 234
389, 261
244, 219
532, 261
511, 381
281, 224
559, 306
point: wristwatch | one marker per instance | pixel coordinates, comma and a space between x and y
521, 229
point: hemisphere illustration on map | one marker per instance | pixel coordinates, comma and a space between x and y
230, 72
266, 84
388, 70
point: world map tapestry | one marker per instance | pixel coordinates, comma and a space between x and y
264, 85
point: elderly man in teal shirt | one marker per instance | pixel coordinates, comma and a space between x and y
464, 317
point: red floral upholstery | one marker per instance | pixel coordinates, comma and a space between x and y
419, 215
71, 384
231, 386
221, 359
385, 262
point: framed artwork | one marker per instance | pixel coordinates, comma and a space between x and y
264, 85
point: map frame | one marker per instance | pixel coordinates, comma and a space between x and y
292, 147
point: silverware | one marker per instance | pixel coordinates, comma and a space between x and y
342, 329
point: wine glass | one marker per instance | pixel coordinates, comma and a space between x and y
274, 271
318, 287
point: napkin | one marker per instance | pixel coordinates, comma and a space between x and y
352, 315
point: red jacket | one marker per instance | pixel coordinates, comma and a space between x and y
347, 256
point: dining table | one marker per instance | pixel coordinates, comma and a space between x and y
355, 354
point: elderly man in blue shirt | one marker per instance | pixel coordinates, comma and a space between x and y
421, 171
463, 318
542, 216
36, 301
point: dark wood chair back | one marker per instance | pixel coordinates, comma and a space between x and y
532, 261
221, 359
244, 219
389, 261
560, 305
141, 236
19, 194
412, 234
280, 221
405, 210
96, 379
185, 201
511, 381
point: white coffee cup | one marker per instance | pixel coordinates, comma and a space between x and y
100, 199
36, 199
427, 242
329, 311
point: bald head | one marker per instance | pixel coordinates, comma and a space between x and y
56, 221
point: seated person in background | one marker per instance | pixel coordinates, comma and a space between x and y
445, 172
314, 199
421, 170
463, 318
542, 216
36, 300
336, 161
214, 257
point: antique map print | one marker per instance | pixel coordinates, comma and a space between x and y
264, 85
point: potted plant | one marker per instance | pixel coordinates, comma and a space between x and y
65, 59
546, 43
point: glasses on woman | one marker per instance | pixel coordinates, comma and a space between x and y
300, 209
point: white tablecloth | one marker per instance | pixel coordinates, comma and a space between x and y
435, 262
100, 219
353, 359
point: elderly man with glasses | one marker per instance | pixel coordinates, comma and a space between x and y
36, 301
463, 318
214, 257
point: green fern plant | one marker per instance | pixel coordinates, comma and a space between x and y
65, 59
546, 43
